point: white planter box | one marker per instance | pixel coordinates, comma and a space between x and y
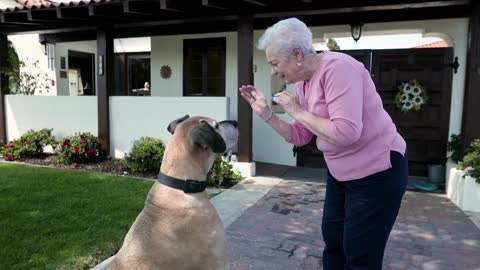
464, 192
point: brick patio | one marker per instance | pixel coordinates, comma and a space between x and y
283, 229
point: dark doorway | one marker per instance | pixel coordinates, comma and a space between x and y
81, 73
425, 131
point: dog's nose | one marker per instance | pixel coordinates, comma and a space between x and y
231, 122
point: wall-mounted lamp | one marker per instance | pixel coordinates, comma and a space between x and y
100, 65
44, 44
356, 30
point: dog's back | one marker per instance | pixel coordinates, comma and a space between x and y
174, 231
178, 230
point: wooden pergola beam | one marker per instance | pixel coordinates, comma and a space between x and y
214, 4
105, 79
471, 110
169, 5
245, 77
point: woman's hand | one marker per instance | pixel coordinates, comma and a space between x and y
289, 103
257, 101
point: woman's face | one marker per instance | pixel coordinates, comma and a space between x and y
285, 68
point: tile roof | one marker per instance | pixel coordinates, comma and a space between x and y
39, 4
438, 44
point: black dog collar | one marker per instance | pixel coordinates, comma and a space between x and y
188, 186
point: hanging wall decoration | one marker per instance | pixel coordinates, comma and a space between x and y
411, 96
165, 72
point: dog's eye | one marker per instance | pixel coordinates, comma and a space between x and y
203, 121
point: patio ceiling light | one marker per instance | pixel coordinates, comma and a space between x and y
356, 30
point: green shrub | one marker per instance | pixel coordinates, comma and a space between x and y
471, 161
222, 173
145, 156
79, 148
30, 144
454, 145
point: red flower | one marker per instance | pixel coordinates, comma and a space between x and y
77, 149
213, 174
67, 142
9, 156
28, 142
82, 137
44, 130
76, 165
9, 146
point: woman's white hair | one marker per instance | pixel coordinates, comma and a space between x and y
287, 35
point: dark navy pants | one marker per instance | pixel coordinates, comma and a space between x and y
358, 216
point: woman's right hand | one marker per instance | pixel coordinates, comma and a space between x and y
257, 101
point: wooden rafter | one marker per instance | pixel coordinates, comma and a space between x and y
169, 5
19, 18
129, 8
214, 4
256, 2
78, 13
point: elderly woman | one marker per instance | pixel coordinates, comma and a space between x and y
336, 100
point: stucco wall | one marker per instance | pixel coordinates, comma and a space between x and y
130, 117
66, 115
135, 117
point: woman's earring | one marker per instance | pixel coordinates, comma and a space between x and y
299, 64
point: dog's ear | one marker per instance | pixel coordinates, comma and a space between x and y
171, 127
205, 135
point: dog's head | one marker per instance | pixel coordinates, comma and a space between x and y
205, 134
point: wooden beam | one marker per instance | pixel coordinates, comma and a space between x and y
129, 9
105, 78
49, 16
471, 110
256, 3
343, 10
214, 4
168, 5
245, 77
67, 13
16, 18
3, 86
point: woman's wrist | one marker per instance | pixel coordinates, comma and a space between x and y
300, 115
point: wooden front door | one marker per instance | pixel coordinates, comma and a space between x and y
425, 131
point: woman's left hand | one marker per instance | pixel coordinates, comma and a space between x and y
288, 102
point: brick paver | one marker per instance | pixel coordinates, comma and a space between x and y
283, 231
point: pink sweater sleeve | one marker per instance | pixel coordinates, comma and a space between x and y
343, 84
299, 135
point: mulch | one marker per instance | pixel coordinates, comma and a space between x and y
109, 165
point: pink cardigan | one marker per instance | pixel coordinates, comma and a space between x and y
362, 132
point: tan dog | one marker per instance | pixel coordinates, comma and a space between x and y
179, 230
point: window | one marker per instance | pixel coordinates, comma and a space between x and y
204, 67
51, 56
132, 71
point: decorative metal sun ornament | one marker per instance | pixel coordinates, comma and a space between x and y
166, 72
